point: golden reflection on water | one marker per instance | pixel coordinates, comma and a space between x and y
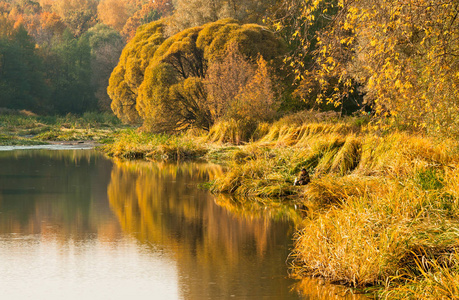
221, 247
219, 253
318, 289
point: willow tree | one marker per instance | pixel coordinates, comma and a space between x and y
129, 73
173, 94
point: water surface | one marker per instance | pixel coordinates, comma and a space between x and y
74, 225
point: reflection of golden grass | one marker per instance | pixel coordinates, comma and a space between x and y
138, 193
255, 208
196, 170
318, 289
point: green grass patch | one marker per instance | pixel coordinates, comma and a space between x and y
26, 129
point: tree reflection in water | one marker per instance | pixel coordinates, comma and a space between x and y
219, 252
223, 246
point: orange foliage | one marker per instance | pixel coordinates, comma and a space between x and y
237, 89
149, 12
51, 21
114, 13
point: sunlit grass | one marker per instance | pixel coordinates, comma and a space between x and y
132, 144
24, 128
377, 205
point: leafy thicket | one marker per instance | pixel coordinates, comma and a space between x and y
400, 55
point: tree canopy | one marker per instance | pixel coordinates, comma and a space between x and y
401, 55
191, 13
21, 72
129, 73
166, 87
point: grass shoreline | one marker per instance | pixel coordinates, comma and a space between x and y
381, 212
24, 128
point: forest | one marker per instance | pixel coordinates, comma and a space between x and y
395, 60
362, 94
56, 56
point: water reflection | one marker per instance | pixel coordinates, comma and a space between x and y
318, 289
59, 238
218, 254
54, 192
75, 225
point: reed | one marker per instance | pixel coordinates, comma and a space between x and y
368, 238
438, 280
232, 131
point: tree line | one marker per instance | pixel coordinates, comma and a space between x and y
56, 55
192, 63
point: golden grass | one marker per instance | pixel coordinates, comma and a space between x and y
437, 280
232, 131
372, 235
134, 145
377, 205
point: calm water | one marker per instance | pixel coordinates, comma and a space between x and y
74, 225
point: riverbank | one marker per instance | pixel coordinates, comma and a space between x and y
381, 209
380, 213
25, 128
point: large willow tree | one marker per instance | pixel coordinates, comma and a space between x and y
168, 91
129, 73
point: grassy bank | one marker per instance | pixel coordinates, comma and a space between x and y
131, 144
25, 128
381, 210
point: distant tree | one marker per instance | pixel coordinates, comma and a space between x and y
69, 71
190, 13
22, 84
50, 26
151, 11
115, 13
106, 45
6, 26
129, 73
78, 15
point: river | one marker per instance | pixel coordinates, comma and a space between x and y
75, 225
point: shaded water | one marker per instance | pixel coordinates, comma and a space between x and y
74, 224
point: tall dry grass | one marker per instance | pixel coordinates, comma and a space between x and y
377, 204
